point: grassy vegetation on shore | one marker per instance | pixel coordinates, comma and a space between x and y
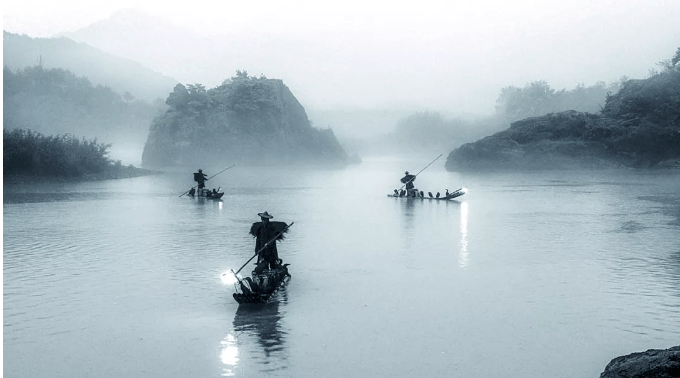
30, 156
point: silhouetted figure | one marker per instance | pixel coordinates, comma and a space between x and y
200, 178
264, 232
429, 194
447, 192
396, 193
408, 180
422, 195
437, 194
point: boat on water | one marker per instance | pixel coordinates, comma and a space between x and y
206, 193
260, 286
429, 196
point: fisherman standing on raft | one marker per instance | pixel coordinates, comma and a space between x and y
408, 180
200, 178
264, 232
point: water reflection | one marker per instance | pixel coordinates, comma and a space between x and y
407, 207
229, 356
463, 255
261, 321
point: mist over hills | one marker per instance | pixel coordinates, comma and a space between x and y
639, 126
188, 56
101, 68
55, 101
322, 68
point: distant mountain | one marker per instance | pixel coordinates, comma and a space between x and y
164, 47
122, 75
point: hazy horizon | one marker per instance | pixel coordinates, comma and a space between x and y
453, 58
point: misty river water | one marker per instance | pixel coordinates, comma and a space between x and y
534, 274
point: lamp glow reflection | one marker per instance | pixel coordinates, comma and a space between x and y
229, 355
228, 278
463, 256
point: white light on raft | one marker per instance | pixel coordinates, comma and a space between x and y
228, 278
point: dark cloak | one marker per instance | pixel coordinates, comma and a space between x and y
264, 234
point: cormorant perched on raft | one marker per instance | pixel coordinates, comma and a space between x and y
447, 192
396, 193
437, 194
429, 194
422, 195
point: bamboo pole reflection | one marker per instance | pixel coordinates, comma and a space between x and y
463, 255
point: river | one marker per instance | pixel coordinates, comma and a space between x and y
533, 274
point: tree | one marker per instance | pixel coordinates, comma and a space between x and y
179, 97
676, 57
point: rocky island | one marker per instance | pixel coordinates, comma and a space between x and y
639, 126
246, 120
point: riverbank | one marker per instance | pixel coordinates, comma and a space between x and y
114, 173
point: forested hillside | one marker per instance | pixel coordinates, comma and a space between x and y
639, 126
55, 101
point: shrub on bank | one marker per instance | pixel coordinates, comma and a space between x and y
30, 152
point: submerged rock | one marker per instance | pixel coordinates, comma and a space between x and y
654, 363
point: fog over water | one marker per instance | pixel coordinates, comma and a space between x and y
452, 57
527, 275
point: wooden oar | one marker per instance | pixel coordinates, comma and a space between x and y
414, 177
207, 179
263, 247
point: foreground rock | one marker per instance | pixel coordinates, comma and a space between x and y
638, 127
246, 120
654, 363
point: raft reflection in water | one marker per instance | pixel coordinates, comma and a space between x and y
261, 321
463, 255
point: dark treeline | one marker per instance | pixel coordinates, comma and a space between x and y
32, 153
55, 101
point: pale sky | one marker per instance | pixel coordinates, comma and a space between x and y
432, 52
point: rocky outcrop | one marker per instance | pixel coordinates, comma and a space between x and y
654, 363
638, 127
553, 141
251, 121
